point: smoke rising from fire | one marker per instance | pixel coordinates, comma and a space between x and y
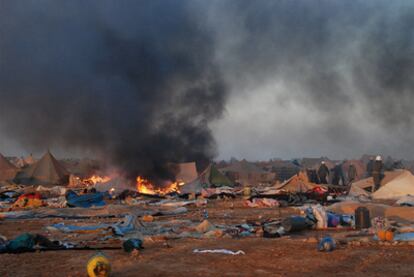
132, 81
141, 82
317, 77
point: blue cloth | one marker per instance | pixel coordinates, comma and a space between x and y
119, 228
85, 200
404, 237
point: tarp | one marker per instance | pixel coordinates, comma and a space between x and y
85, 200
401, 185
47, 172
7, 170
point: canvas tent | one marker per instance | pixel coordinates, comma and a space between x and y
186, 172
7, 170
400, 186
298, 183
362, 187
211, 177
47, 172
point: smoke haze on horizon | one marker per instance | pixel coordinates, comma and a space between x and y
259, 79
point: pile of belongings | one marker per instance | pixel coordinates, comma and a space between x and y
324, 219
29, 243
29, 200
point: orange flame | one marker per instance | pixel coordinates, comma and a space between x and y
96, 179
146, 187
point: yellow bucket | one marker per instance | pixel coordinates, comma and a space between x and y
98, 266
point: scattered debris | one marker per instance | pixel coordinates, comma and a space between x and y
219, 251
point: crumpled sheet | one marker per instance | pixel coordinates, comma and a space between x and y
406, 201
85, 200
210, 192
79, 213
169, 203
120, 228
56, 190
219, 251
261, 203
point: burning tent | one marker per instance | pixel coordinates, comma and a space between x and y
47, 172
211, 177
7, 170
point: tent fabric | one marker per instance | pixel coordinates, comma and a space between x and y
368, 182
7, 170
85, 200
298, 183
47, 172
211, 177
399, 186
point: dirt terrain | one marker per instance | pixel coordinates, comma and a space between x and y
287, 256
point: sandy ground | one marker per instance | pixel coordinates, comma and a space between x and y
287, 256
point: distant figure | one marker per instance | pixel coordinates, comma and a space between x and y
338, 175
370, 166
323, 173
352, 173
377, 173
312, 175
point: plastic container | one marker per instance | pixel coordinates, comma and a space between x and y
295, 224
362, 218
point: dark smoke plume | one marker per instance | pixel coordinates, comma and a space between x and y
141, 81
350, 63
133, 81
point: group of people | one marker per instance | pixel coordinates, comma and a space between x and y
374, 169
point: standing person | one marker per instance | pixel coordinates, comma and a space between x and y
352, 173
377, 173
323, 173
370, 166
338, 175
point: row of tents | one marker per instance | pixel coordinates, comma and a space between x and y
47, 171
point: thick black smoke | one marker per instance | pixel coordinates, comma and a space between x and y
140, 81
133, 81
336, 59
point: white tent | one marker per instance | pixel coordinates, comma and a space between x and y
401, 185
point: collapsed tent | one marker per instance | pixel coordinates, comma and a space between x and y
211, 177
400, 186
298, 184
47, 172
7, 170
